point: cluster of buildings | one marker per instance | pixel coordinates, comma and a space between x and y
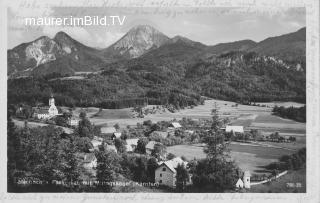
46, 112
51, 111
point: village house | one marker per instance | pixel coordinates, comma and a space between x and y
166, 173
175, 125
245, 181
116, 135
111, 148
131, 144
150, 146
159, 134
110, 132
73, 121
89, 161
234, 129
46, 112
96, 142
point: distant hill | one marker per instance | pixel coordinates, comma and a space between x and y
242, 45
289, 47
147, 65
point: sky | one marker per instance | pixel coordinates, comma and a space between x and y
206, 25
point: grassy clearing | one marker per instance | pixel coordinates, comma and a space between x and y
283, 184
247, 157
113, 114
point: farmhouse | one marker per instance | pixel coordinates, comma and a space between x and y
89, 161
150, 146
166, 173
111, 148
235, 129
73, 121
46, 112
96, 142
159, 134
131, 144
110, 132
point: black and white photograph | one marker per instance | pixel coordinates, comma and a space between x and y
165, 99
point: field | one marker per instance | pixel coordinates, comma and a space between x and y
294, 181
251, 117
248, 156
252, 157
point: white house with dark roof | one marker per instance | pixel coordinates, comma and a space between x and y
166, 173
235, 129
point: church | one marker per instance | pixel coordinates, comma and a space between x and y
46, 112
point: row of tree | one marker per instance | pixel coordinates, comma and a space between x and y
294, 113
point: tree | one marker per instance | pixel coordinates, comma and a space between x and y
108, 164
170, 156
86, 129
117, 126
182, 177
152, 166
158, 151
61, 121
83, 144
120, 145
215, 173
82, 115
141, 145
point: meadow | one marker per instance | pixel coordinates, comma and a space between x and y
252, 157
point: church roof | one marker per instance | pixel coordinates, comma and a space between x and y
41, 110
173, 163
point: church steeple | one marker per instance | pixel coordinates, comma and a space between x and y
51, 101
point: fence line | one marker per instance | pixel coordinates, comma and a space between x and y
270, 179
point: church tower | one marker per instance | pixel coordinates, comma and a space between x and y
53, 111
246, 179
51, 101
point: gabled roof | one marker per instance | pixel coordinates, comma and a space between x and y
117, 134
160, 133
239, 182
96, 143
236, 129
175, 125
151, 144
89, 157
108, 130
111, 147
132, 141
173, 163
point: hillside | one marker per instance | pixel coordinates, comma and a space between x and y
147, 65
289, 47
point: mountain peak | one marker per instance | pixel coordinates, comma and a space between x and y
61, 37
138, 41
